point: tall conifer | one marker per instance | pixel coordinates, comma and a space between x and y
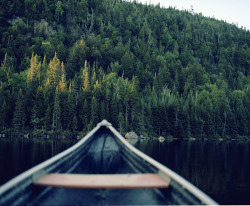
19, 114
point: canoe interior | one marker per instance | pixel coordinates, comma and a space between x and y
101, 153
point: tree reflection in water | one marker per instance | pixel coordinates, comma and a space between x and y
219, 168
18, 154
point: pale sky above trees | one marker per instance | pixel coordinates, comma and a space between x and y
231, 11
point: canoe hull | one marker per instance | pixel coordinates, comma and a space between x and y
102, 151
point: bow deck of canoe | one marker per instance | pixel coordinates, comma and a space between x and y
101, 169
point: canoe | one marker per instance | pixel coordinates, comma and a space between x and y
101, 169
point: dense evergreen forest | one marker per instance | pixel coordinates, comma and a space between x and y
68, 64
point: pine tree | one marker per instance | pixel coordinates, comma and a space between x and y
71, 105
3, 115
142, 118
19, 114
54, 72
85, 114
164, 78
74, 124
62, 84
38, 109
121, 122
85, 78
103, 111
76, 58
94, 111
31, 72
108, 100
35, 71
128, 64
5, 69
134, 103
93, 80
59, 10
48, 117
113, 111
44, 67
63, 92
57, 125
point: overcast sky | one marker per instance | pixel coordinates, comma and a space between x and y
232, 11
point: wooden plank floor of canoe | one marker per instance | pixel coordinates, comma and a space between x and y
101, 181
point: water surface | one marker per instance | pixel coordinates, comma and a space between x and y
19, 154
219, 168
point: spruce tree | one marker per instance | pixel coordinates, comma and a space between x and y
3, 115
49, 117
38, 109
56, 124
121, 122
94, 111
113, 111
19, 113
70, 108
54, 72
103, 111
74, 124
85, 114
134, 103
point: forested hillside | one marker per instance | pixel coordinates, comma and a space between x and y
66, 65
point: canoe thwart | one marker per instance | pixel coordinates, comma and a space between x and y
100, 181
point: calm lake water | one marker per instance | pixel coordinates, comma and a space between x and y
18, 154
219, 168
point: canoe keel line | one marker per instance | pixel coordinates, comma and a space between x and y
101, 169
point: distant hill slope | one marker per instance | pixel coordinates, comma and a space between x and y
68, 64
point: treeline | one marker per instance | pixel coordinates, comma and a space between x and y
66, 65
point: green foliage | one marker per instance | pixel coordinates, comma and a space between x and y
3, 114
153, 70
59, 10
19, 114
57, 115
54, 72
38, 109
